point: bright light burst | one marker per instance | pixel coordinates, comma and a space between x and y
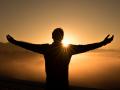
65, 42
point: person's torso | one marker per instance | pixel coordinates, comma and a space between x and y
57, 59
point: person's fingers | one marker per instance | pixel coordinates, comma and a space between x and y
112, 37
108, 39
107, 36
8, 36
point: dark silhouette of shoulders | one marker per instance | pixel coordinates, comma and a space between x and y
57, 57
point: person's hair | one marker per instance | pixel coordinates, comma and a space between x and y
58, 34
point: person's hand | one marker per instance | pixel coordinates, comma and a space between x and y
108, 40
10, 38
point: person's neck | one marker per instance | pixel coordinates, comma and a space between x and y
57, 42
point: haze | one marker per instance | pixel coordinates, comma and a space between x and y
83, 21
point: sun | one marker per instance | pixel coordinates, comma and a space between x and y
65, 43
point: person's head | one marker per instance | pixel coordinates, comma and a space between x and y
57, 35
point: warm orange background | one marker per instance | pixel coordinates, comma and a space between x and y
83, 21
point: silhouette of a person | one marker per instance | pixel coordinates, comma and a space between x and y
57, 57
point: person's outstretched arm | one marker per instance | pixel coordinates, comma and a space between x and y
33, 47
83, 48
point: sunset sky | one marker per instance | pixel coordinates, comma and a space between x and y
83, 21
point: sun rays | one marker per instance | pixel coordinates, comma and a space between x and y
65, 43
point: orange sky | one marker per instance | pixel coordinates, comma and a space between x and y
84, 21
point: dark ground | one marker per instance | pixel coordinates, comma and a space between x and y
15, 84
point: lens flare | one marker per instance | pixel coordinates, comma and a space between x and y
65, 43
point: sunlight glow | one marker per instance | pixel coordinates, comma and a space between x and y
65, 42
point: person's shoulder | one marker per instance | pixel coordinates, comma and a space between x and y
71, 45
46, 44
74, 45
